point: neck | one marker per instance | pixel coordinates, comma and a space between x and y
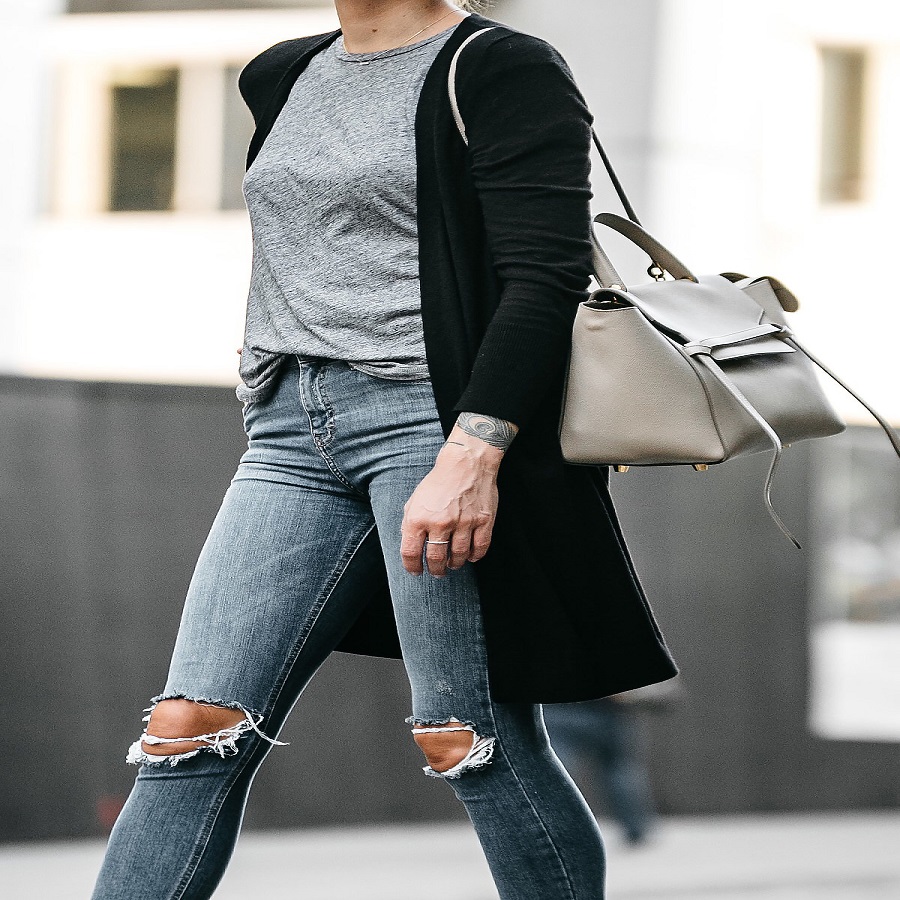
372, 25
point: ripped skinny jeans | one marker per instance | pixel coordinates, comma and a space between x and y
312, 513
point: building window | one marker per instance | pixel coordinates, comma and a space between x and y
144, 106
843, 125
150, 138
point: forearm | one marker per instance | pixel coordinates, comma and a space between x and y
521, 358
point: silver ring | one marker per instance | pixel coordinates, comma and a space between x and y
437, 542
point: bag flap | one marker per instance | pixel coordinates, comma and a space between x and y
694, 311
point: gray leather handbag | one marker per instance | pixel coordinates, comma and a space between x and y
686, 370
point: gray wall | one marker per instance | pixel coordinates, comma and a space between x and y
733, 597
106, 494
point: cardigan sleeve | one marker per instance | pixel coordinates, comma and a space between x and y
529, 152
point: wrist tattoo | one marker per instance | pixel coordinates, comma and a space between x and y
496, 432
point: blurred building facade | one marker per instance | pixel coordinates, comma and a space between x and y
752, 137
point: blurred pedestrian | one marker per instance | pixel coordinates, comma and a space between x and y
410, 307
601, 743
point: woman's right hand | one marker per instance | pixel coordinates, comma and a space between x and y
451, 513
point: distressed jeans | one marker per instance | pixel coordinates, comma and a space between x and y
333, 454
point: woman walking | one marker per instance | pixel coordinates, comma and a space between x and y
403, 490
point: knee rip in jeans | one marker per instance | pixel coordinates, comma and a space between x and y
449, 749
190, 726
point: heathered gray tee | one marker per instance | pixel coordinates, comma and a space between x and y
332, 202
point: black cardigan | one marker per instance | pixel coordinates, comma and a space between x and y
504, 259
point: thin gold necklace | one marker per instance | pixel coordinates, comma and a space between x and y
435, 22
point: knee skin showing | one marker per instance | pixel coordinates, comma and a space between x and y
452, 748
184, 718
444, 750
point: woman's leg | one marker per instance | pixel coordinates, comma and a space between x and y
538, 835
282, 575
540, 839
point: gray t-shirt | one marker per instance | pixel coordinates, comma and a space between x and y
332, 202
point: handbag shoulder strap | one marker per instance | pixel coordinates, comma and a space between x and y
451, 82
886, 426
461, 126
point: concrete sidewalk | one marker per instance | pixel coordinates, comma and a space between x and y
827, 857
